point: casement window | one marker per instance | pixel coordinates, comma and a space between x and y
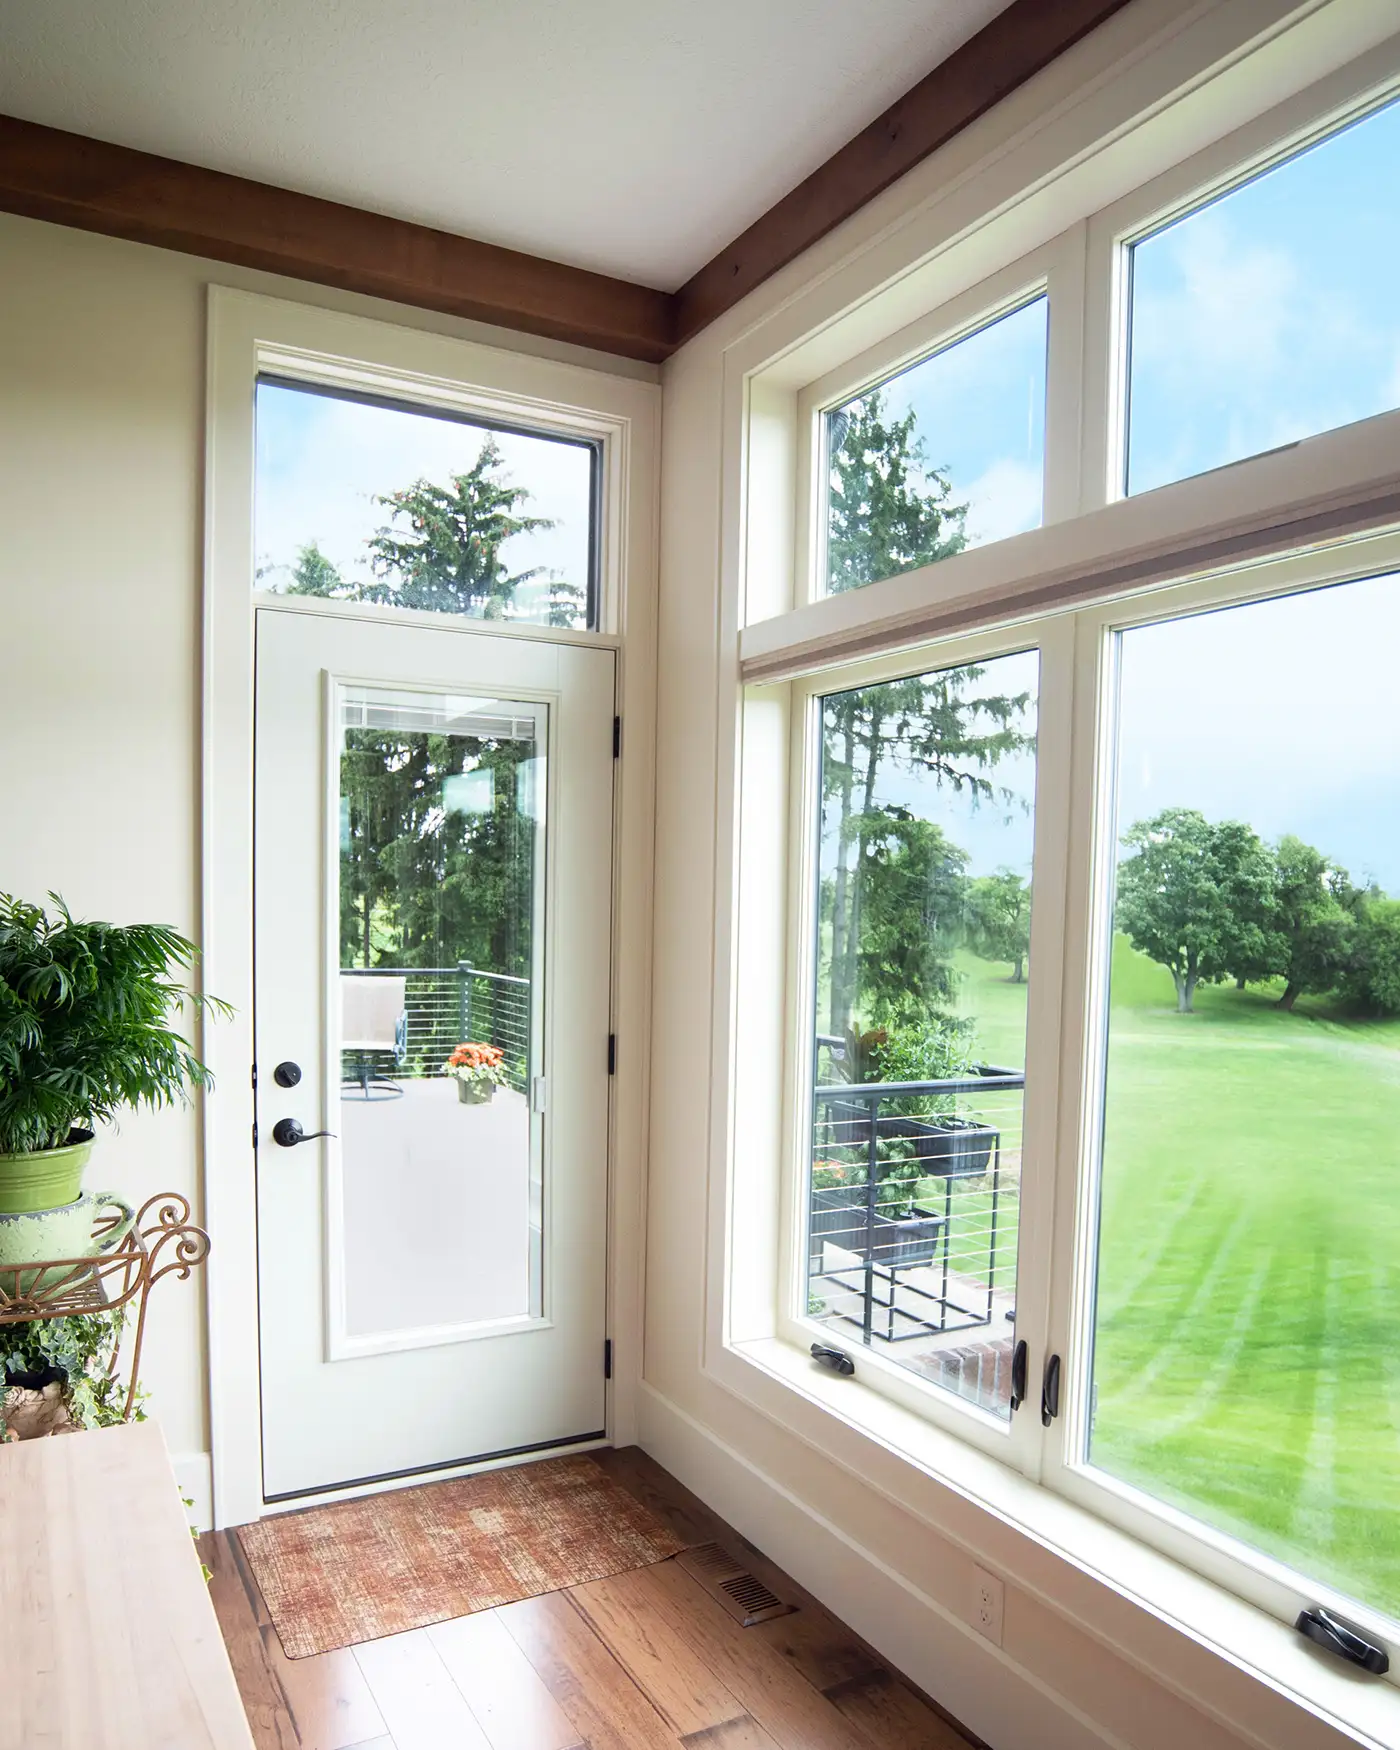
1090, 871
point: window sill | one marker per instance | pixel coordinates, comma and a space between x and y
1186, 1632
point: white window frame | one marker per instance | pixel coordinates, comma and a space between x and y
251, 336
1319, 510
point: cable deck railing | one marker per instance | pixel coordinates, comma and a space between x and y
915, 1185
447, 1006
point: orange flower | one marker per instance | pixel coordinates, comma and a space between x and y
476, 1056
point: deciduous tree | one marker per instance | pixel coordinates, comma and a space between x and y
1194, 896
999, 920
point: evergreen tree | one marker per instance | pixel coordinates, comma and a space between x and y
889, 512
314, 574
447, 559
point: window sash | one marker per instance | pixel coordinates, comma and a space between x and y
1067, 1014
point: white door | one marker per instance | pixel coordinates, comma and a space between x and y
433, 832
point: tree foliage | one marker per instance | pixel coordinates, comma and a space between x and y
907, 905
888, 512
442, 551
1313, 920
1195, 897
423, 883
999, 919
1371, 977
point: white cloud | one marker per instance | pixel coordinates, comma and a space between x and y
1003, 500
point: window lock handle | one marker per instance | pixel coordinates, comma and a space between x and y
1019, 1360
1050, 1392
1325, 1630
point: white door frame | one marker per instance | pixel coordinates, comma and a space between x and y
249, 334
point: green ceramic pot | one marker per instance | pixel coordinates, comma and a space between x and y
49, 1179
475, 1093
66, 1232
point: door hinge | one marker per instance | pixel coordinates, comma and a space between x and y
255, 1133
607, 1358
255, 1078
1050, 1391
612, 1054
617, 738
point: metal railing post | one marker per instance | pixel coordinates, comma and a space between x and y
872, 1162
464, 972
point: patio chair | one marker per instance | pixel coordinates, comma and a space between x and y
373, 1022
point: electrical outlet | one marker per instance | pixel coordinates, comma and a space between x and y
988, 1597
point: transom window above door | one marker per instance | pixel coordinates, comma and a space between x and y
367, 501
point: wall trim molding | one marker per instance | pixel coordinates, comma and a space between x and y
940, 1652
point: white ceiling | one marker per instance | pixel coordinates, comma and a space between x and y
636, 137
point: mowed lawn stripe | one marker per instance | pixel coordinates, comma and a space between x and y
1246, 1365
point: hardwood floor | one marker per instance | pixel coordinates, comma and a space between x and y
643, 1661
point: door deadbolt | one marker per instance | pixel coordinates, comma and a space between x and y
287, 1075
287, 1133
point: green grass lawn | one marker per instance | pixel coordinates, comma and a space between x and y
1248, 1357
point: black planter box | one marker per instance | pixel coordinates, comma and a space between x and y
952, 1148
839, 1217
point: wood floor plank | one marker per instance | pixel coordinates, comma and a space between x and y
818, 1643
422, 1707
683, 1689
744, 1733
608, 1710
783, 1702
264, 1701
502, 1688
889, 1713
813, 1640
329, 1697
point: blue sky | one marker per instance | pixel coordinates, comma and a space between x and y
1271, 314
322, 460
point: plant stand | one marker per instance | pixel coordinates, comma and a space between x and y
162, 1242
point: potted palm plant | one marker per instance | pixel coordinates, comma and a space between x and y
88, 1015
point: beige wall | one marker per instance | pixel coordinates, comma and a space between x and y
102, 375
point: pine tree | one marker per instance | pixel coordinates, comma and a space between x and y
448, 557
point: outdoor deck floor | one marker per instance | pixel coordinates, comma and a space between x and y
438, 1215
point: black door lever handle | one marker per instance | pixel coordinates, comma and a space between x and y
287, 1133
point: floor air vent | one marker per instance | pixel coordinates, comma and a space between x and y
742, 1594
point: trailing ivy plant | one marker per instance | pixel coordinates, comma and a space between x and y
83, 1346
88, 1022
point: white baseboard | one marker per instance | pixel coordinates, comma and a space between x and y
195, 1476
976, 1682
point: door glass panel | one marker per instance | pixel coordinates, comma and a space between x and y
360, 501
1244, 1357
441, 829
923, 932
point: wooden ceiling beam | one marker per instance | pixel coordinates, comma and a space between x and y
1005, 53
46, 173
71, 180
